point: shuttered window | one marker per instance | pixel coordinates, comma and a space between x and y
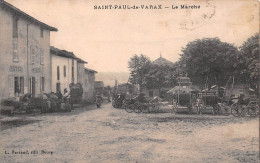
15, 50
58, 73
42, 56
64, 70
15, 27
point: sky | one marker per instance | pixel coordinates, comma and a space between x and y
106, 39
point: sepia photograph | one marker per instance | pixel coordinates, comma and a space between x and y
134, 81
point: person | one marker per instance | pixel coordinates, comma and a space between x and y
98, 100
66, 98
54, 101
141, 98
128, 96
108, 98
66, 93
58, 94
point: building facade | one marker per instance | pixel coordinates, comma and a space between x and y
99, 87
25, 46
64, 69
89, 84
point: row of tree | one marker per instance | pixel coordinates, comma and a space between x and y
151, 76
207, 60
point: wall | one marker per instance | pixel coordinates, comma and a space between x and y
64, 80
10, 69
89, 81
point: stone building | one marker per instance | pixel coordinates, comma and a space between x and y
25, 46
162, 62
66, 69
89, 84
156, 92
86, 77
99, 87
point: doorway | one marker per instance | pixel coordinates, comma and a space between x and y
32, 86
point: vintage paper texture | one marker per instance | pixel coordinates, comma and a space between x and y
107, 39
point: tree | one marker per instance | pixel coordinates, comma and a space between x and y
209, 60
139, 66
159, 77
249, 62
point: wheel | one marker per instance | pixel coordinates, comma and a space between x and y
137, 108
216, 109
146, 108
253, 110
128, 108
225, 109
154, 107
236, 109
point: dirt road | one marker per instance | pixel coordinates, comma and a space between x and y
113, 135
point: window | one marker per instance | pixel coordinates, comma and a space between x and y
15, 50
150, 93
16, 85
42, 84
72, 71
58, 73
33, 58
15, 27
64, 70
42, 56
72, 74
41, 32
21, 85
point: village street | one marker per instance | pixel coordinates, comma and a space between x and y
113, 135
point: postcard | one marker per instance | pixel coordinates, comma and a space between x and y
129, 81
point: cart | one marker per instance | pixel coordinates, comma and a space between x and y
76, 92
245, 107
185, 102
118, 100
208, 101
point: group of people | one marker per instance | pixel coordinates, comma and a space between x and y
53, 100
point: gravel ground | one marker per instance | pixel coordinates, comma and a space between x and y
113, 135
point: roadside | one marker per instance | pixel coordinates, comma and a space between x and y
113, 135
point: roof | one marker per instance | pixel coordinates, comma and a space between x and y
99, 84
87, 69
162, 61
11, 8
176, 89
62, 53
81, 61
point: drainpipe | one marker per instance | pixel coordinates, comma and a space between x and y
28, 78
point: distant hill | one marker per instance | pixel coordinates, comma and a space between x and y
109, 77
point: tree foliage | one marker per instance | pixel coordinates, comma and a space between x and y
139, 66
160, 76
249, 62
209, 60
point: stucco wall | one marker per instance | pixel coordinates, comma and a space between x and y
64, 80
89, 82
10, 69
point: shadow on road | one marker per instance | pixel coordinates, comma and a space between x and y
15, 123
78, 109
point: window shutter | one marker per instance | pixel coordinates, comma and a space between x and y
42, 56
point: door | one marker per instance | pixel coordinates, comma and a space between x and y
33, 86
58, 87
